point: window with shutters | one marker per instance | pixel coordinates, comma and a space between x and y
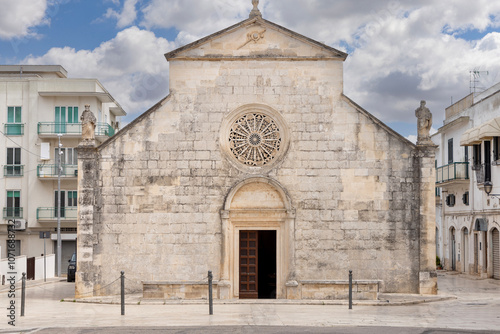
487, 161
14, 127
496, 148
450, 151
13, 168
476, 157
13, 208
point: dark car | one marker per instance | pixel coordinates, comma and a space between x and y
72, 268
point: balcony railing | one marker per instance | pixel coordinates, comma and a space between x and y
13, 170
51, 171
67, 213
15, 212
451, 172
14, 129
101, 129
483, 173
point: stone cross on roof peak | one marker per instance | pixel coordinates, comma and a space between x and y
255, 11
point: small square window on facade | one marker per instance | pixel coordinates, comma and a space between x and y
450, 200
465, 198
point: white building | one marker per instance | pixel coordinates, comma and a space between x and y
468, 165
36, 104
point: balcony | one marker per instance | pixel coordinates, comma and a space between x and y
14, 129
11, 213
50, 172
455, 172
50, 214
13, 170
51, 130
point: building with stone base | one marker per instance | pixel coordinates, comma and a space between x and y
40, 109
467, 177
258, 168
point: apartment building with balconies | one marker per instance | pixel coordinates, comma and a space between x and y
40, 107
468, 185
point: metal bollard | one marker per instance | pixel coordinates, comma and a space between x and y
210, 299
23, 294
350, 289
122, 277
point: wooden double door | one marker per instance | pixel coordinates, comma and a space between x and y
257, 265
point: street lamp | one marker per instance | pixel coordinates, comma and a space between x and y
59, 243
488, 187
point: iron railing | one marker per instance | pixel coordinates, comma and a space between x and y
50, 171
14, 129
67, 213
12, 212
482, 174
47, 128
13, 170
453, 171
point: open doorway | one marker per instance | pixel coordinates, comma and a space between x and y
257, 264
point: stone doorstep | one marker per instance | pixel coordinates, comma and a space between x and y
310, 289
384, 300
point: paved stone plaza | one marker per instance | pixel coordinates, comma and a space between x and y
476, 307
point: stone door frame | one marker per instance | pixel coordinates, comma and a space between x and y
280, 220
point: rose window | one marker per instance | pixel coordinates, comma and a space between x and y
255, 139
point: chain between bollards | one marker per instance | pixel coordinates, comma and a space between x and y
122, 277
350, 289
23, 294
210, 299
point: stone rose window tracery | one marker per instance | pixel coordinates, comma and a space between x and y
255, 139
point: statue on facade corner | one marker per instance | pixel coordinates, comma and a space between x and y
88, 124
424, 124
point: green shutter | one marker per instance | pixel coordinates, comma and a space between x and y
13, 194
18, 115
70, 114
75, 114
10, 115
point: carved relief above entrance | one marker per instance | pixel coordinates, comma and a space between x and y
258, 244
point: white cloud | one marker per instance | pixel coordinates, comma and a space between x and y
401, 52
19, 17
127, 15
412, 138
198, 18
137, 77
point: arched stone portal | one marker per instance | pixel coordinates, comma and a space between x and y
257, 204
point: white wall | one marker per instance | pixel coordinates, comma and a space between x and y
20, 267
50, 270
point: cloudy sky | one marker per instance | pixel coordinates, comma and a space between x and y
400, 51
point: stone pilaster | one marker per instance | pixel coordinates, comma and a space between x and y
427, 274
224, 283
87, 182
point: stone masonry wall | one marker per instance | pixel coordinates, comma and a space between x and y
163, 180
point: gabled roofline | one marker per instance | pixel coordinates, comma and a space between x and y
132, 124
173, 54
379, 122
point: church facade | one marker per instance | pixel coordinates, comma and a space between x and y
258, 168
